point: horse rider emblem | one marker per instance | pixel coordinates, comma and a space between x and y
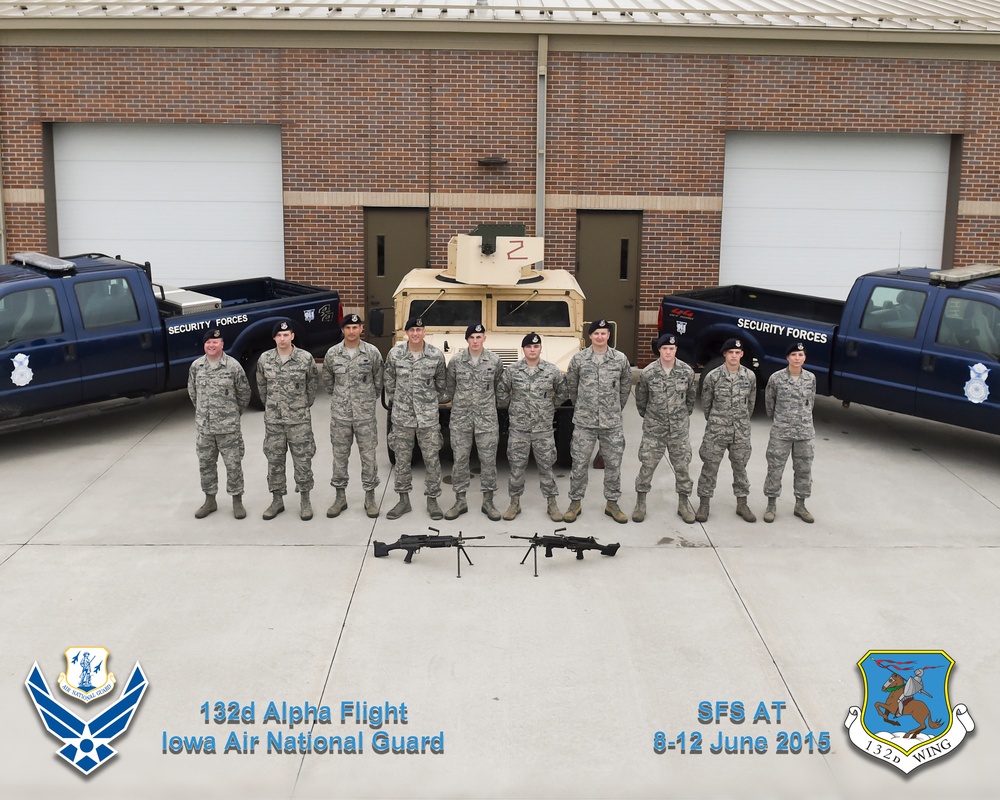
976, 389
906, 718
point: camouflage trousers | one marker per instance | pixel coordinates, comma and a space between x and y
713, 448
487, 439
430, 440
209, 447
519, 447
802, 451
296, 439
651, 450
342, 436
612, 442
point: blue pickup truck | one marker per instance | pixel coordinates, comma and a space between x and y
915, 341
92, 328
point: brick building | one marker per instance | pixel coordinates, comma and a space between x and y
614, 129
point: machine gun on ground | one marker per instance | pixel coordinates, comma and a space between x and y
413, 543
575, 543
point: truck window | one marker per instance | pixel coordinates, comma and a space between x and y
532, 314
448, 313
106, 302
970, 325
29, 314
893, 311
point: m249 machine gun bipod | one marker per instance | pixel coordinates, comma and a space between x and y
413, 544
575, 543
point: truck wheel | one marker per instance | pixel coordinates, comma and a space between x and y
564, 436
251, 369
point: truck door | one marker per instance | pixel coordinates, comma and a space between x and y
39, 368
116, 341
879, 349
959, 378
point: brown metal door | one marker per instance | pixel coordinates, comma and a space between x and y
607, 267
396, 241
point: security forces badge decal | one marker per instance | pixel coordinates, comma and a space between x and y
976, 390
86, 743
907, 718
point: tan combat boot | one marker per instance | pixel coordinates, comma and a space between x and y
743, 510
703, 510
239, 511
401, 507
612, 510
433, 509
513, 509
460, 507
772, 509
305, 507
339, 504
801, 511
207, 507
639, 512
552, 508
573, 511
684, 510
371, 507
488, 508
276, 507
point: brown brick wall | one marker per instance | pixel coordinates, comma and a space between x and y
416, 121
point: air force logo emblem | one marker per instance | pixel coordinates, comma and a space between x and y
906, 718
86, 744
22, 374
976, 390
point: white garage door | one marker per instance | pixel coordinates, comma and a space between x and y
201, 203
810, 212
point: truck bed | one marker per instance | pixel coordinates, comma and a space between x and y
770, 301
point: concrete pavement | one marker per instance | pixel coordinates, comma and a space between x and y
545, 687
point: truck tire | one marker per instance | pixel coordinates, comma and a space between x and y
563, 424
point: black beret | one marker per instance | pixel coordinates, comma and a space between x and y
667, 338
284, 325
414, 322
732, 344
796, 347
477, 328
531, 338
351, 319
211, 333
597, 324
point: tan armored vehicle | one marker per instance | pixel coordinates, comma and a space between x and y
491, 278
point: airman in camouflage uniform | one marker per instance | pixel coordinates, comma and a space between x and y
789, 399
664, 397
352, 374
218, 387
415, 385
532, 390
599, 380
287, 381
472, 378
728, 396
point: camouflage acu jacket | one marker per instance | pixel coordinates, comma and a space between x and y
790, 404
354, 383
415, 386
287, 389
599, 389
665, 400
220, 393
532, 398
729, 402
472, 388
